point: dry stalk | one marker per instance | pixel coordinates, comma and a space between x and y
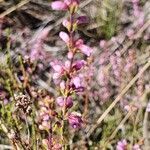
118, 98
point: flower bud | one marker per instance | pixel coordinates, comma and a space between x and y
64, 36
75, 120
66, 24
82, 20
79, 64
69, 102
77, 82
59, 5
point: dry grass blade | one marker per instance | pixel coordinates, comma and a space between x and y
121, 123
118, 98
13, 8
4, 147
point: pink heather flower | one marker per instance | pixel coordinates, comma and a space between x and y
44, 126
77, 82
75, 120
57, 146
122, 145
85, 49
79, 42
102, 43
67, 64
59, 5
60, 102
135, 1
64, 36
66, 23
57, 68
62, 85
70, 55
56, 75
45, 117
82, 20
5, 101
79, 64
71, 2
136, 147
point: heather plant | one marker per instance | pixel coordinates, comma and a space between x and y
56, 92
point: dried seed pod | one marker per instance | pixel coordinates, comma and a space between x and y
23, 103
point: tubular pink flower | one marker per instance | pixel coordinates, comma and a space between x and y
60, 102
66, 23
85, 49
58, 68
56, 75
79, 64
121, 145
70, 55
136, 147
67, 64
79, 42
59, 5
62, 85
70, 2
102, 43
77, 82
64, 36
75, 120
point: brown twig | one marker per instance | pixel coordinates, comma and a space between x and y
118, 98
13, 8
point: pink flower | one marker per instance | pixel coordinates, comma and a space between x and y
83, 20
62, 85
121, 145
64, 36
56, 65
135, 1
59, 5
102, 43
70, 55
64, 5
136, 147
77, 82
79, 42
58, 68
85, 49
60, 102
71, 2
75, 120
66, 24
56, 75
79, 64
67, 64
45, 125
